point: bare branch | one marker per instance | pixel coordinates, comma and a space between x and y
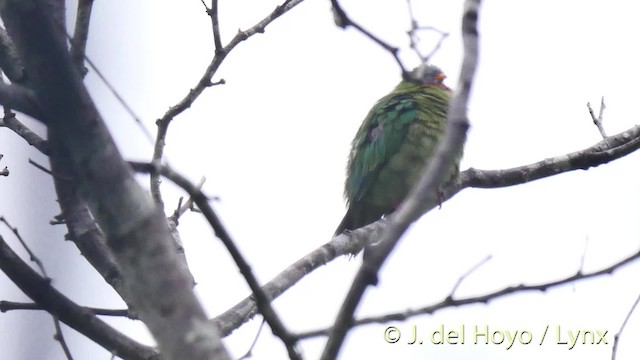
344, 21
59, 337
188, 205
203, 83
598, 120
411, 208
120, 99
262, 301
5, 171
609, 149
215, 24
80, 35
414, 39
32, 255
450, 301
469, 272
40, 290
248, 354
9, 59
616, 338
339, 246
10, 121
6, 306
83, 229
20, 98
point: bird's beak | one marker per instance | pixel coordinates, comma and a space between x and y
440, 77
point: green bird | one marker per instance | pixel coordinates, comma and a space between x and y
393, 145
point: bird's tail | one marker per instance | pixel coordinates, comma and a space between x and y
345, 224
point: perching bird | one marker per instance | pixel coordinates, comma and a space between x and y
393, 145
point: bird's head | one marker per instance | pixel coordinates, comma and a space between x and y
428, 75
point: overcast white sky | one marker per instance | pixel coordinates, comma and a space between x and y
273, 142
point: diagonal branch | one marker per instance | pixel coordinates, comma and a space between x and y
11, 122
20, 98
77, 317
262, 301
9, 60
83, 229
81, 34
343, 20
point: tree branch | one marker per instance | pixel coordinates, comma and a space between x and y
609, 149
616, 338
6, 306
203, 83
343, 20
11, 122
215, 23
84, 321
80, 35
9, 59
598, 120
82, 228
20, 98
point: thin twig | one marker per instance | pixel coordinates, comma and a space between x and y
414, 39
59, 337
253, 344
616, 338
343, 20
5, 171
33, 139
449, 302
122, 101
40, 167
203, 83
188, 205
6, 306
111, 87
466, 274
598, 120
32, 255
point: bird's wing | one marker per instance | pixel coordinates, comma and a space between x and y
379, 138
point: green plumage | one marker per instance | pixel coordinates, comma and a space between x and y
393, 145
